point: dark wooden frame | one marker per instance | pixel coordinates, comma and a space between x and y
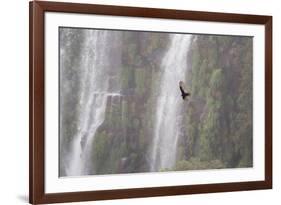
37, 94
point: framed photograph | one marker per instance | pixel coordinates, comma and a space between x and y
139, 102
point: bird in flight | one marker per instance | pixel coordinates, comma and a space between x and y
184, 94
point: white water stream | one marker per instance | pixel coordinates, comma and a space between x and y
168, 117
95, 66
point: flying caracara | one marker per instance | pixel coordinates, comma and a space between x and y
184, 94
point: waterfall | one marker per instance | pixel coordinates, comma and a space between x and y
168, 117
99, 64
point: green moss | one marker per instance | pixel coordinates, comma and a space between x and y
140, 76
197, 164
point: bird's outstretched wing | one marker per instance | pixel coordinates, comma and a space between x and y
182, 90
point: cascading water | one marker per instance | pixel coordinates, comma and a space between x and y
168, 117
98, 81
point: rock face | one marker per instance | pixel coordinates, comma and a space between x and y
219, 116
112, 118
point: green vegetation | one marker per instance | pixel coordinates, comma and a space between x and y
218, 130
